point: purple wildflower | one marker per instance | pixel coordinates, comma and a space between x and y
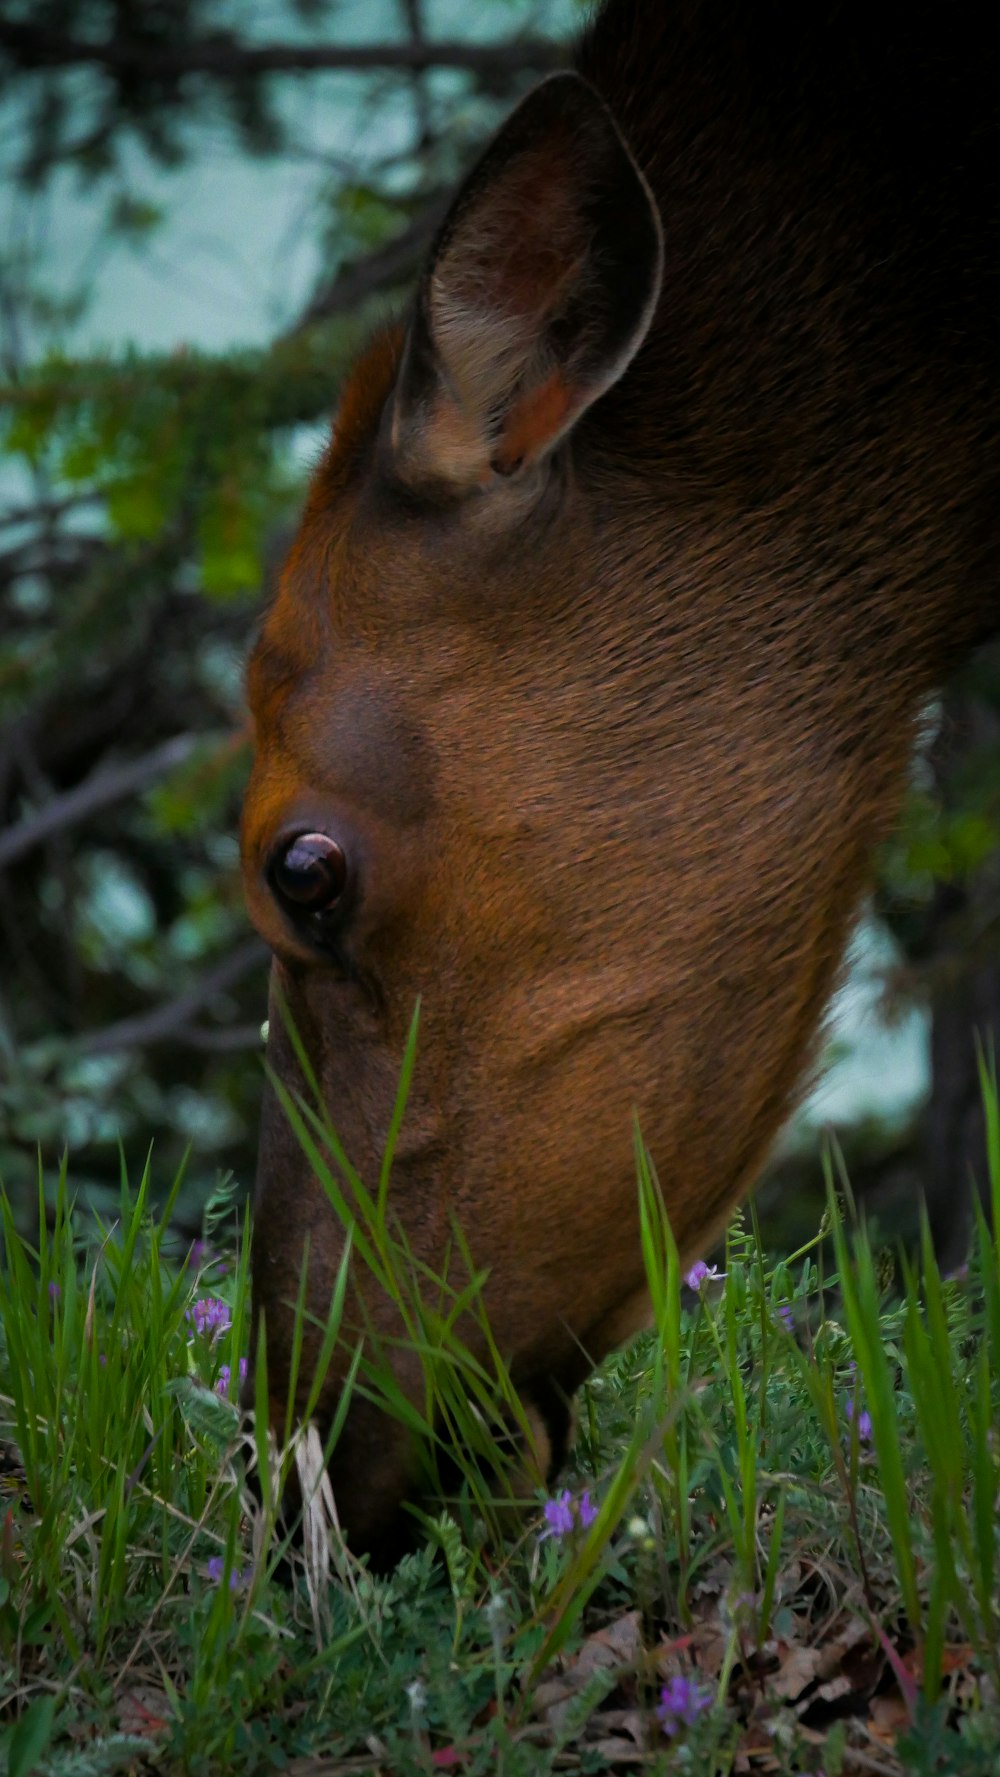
563, 1514
559, 1514
682, 1700
216, 1570
210, 1314
225, 1375
864, 1421
54, 1291
700, 1273
786, 1317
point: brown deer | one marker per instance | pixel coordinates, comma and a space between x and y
594, 673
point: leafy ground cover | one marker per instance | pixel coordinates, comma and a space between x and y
775, 1550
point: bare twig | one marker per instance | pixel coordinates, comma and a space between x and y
234, 1040
57, 557
164, 1022
862, 1761
112, 783
223, 56
392, 264
413, 15
44, 511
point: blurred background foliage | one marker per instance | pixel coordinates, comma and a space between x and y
156, 430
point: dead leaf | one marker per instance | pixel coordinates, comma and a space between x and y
593, 1657
887, 1717
624, 1636
550, 1692
799, 1667
662, 1656
834, 1688
712, 1582
144, 1711
620, 1645
835, 1652
626, 1721
757, 1742
621, 1752
707, 1646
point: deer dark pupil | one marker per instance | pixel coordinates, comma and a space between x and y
311, 873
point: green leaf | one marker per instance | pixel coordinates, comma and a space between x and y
135, 508
134, 217
30, 1737
38, 1626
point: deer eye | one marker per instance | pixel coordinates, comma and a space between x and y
309, 875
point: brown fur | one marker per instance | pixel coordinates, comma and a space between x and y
613, 739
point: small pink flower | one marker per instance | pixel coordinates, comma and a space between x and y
558, 1513
864, 1421
225, 1376
209, 1315
700, 1273
215, 1568
682, 1701
563, 1515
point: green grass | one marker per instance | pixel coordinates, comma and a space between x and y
795, 1479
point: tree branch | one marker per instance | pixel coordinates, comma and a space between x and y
46, 511
111, 784
234, 1039
224, 57
394, 263
164, 1023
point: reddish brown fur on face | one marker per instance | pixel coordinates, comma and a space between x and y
361, 402
610, 740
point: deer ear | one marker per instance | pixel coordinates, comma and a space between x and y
539, 290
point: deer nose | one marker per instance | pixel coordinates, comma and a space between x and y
308, 874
